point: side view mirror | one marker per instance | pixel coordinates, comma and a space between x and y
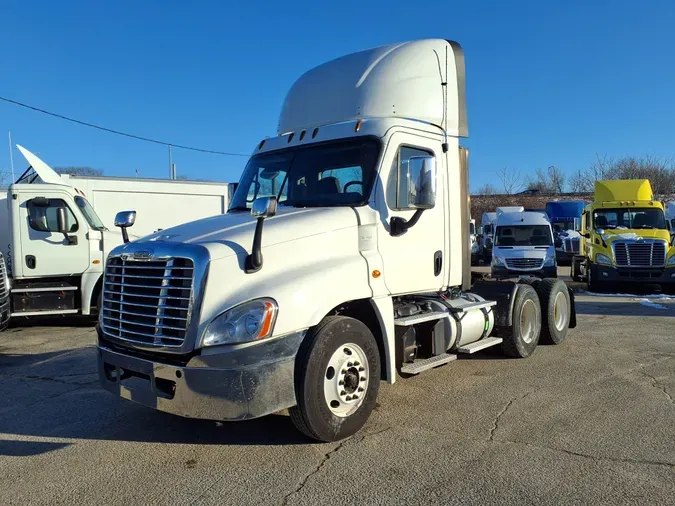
124, 220
263, 207
422, 179
61, 220
62, 225
586, 235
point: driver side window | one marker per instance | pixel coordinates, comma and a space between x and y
44, 218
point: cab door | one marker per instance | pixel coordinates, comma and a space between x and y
44, 250
415, 261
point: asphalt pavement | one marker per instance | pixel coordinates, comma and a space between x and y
591, 421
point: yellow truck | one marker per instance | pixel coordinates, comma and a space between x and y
625, 238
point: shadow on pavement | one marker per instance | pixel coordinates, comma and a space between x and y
621, 308
57, 395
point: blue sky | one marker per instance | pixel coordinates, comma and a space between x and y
548, 82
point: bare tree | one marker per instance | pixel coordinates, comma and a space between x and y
5, 178
487, 189
551, 180
79, 171
511, 180
659, 171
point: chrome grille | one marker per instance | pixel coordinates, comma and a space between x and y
3, 278
571, 245
524, 263
148, 301
640, 254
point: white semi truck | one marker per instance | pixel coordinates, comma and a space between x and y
55, 232
343, 261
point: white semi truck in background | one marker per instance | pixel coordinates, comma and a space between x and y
344, 260
56, 231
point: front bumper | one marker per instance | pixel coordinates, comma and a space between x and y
611, 274
225, 383
505, 272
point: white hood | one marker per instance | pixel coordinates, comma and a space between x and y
46, 173
232, 233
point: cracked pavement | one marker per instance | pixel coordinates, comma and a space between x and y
589, 422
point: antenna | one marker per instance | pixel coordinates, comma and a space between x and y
11, 158
171, 176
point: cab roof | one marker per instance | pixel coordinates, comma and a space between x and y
422, 80
623, 189
524, 218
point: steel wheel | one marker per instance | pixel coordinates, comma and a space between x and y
346, 380
528, 320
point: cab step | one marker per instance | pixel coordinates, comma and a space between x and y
422, 365
407, 321
480, 345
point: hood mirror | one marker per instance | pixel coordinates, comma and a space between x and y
263, 207
124, 220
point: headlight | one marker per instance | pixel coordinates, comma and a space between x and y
497, 261
603, 259
671, 260
249, 321
549, 262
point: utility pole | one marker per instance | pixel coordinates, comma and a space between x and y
171, 174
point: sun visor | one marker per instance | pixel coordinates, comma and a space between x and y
46, 173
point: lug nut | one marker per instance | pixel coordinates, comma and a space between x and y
343, 371
355, 397
348, 398
361, 369
341, 382
360, 389
343, 393
349, 364
363, 379
357, 363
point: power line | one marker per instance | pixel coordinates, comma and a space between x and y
110, 130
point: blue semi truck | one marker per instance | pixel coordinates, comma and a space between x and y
565, 218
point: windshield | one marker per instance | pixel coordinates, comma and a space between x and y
524, 235
627, 218
89, 213
562, 226
330, 174
487, 229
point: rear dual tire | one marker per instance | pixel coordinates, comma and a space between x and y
556, 308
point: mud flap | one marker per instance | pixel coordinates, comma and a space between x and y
573, 309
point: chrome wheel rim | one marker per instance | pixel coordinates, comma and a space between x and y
346, 380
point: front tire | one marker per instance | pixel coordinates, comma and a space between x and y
592, 284
523, 336
556, 309
337, 377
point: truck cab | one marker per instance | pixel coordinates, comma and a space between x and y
523, 246
343, 260
565, 218
57, 245
626, 238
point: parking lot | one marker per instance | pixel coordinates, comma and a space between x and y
589, 422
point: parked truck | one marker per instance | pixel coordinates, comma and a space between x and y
565, 218
343, 261
55, 232
486, 236
625, 238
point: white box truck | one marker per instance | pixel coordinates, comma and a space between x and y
342, 261
56, 232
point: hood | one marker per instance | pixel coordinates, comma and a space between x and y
634, 235
46, 173
112, 239
522, 251
232, 233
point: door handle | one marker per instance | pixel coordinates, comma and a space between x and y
31, 261
438, 262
